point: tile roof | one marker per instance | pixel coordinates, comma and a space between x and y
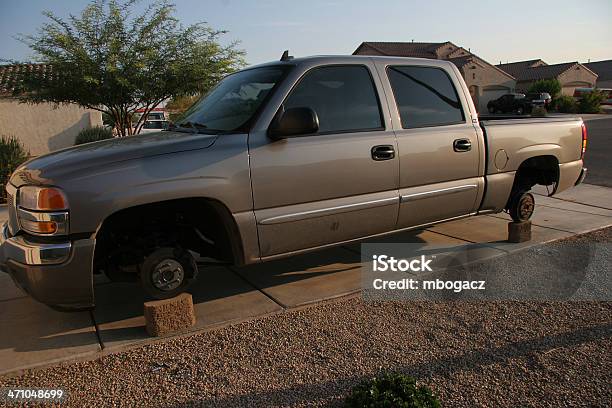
423, 50
515, 68
602, 68
461, 61
544, 71
9, 74
405, 49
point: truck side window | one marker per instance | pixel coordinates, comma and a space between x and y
343, 97
425, 96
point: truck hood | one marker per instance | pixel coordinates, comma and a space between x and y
90, 156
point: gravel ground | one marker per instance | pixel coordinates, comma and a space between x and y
490, 354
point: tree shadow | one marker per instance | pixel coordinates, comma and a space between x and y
442, 366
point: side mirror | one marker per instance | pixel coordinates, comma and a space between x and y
294, 122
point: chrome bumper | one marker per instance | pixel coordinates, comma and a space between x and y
27, 252
58, 274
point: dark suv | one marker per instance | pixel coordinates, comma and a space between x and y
539, 99
509, 103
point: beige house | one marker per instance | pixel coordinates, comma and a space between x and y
571, 75
603, 69
41, 128
485, 81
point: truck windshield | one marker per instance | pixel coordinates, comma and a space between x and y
234, 102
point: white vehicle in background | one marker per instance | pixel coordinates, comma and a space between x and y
155, 122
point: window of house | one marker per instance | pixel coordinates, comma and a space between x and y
425, 96
343, 97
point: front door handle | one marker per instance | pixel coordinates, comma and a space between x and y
462, 145
383, 152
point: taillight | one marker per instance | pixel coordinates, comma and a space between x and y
584, 141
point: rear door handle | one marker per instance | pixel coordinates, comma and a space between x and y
383, 152
462, 145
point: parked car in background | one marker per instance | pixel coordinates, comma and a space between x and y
539, 99
580, 92
509, 103
154, 126
156, 121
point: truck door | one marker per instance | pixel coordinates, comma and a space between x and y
338, 184
438, 147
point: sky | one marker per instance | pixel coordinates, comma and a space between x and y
506, 31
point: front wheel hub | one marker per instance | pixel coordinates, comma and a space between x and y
168, 275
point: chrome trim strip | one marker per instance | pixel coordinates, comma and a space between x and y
11, 189
29, 253
326, 211
61, 218
3, 233
435, 193
348, 241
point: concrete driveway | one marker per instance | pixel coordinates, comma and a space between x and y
34, 335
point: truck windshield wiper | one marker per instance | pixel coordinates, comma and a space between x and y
196, 127
192, 125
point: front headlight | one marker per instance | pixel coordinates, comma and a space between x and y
42, 198
43, 210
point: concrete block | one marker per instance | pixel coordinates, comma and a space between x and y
169, 315
519, 231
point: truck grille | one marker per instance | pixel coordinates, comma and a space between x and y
13, 226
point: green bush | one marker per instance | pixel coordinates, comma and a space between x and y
538, 111
552, 86
591, 102
391, 390
93, 135
12, 154
565, 104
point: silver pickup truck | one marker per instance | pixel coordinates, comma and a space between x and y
278, 159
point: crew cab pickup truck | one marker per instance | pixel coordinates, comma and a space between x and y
278, 159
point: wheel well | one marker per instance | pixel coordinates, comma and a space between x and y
200, 225
543, 170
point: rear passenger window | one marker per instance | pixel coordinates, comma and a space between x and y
425, 96
343, 97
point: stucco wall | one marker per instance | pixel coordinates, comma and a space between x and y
43, 128
486, 83
577, 77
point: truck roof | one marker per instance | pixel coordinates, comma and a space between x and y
345, 59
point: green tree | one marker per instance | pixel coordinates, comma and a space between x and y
12, 155
552, 86
179, 104
565, 104
591, 102
111, 59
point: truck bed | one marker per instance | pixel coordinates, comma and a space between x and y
511, 140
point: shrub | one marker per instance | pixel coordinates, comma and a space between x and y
552, 86
591, 102
12, 154
538, 111
391, 390
565, 104
93, 135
